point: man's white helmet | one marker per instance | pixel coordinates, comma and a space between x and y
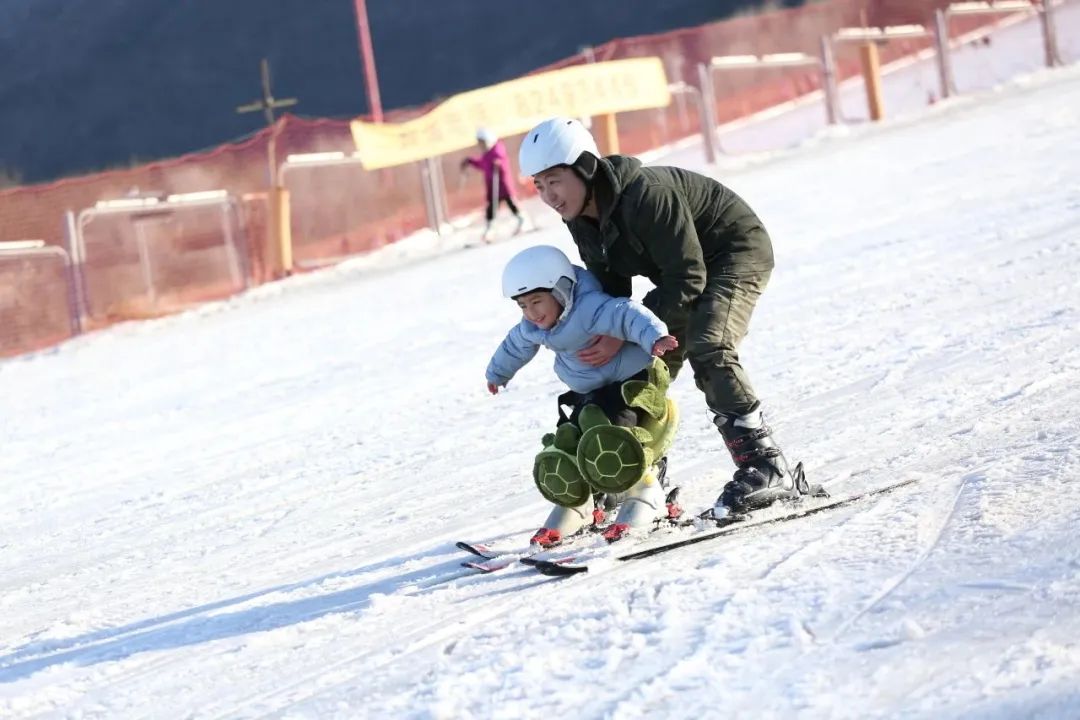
537, 268
486, 136
556, 141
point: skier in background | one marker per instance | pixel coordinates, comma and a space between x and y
621, 402
495, 165
710, 258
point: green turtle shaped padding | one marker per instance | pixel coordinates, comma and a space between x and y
592, 416
661, 431
567, 437
564, 438
558, 478
649, 395
612, 458
595, 455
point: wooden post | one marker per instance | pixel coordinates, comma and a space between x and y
871, 65
278, 257
280, 251
606, 132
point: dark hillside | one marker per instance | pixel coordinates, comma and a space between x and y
88, 84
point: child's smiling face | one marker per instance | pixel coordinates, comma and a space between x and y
540, 308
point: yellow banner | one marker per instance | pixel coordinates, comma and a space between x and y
514, 107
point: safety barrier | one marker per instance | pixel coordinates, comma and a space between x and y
147, 240
37, 296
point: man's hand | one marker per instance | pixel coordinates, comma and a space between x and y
663, 345
600, 350
493, 388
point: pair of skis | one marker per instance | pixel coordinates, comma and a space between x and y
492, 560
489, 559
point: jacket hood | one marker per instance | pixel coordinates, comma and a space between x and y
567, 292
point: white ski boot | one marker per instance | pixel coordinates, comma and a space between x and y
563, 522
644, 504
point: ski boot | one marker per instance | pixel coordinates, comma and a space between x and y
605, 505
645, 504
763, 476
563, 522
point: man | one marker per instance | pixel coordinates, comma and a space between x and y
709, 257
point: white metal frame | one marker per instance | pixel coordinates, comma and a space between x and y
786, 60
771, 60
708, 126
1044, 9
939, 36
168, 203
39, 248
430, 172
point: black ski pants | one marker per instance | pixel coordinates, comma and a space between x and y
709, 339
608, 398
493, 204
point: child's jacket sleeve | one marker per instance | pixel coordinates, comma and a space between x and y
627, 320
514, 352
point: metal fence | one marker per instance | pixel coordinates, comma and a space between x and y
154, 239
37, 296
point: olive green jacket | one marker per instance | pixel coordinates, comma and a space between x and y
670, 225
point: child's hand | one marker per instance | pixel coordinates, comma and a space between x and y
493, 388
664, 344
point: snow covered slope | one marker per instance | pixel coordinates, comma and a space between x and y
248, 511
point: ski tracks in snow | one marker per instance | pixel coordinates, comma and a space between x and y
928, 547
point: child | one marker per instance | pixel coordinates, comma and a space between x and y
620, 404
495, 165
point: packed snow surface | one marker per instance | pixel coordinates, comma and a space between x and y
249, 510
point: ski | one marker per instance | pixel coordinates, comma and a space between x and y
490, 559
727, 526
479, 550
490, 566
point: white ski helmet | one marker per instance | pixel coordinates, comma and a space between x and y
556, 141
487, 137
538, 268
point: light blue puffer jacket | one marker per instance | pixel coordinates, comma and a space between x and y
591, 313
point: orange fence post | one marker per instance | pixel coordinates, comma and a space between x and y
279, 254
606, 131
871, 65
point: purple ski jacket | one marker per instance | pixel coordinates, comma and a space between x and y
494, 158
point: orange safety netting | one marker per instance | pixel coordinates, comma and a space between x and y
340, 209
35, 301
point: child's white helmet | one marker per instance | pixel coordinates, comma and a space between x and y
536, 268
556, 141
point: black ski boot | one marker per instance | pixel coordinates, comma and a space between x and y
763, 476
